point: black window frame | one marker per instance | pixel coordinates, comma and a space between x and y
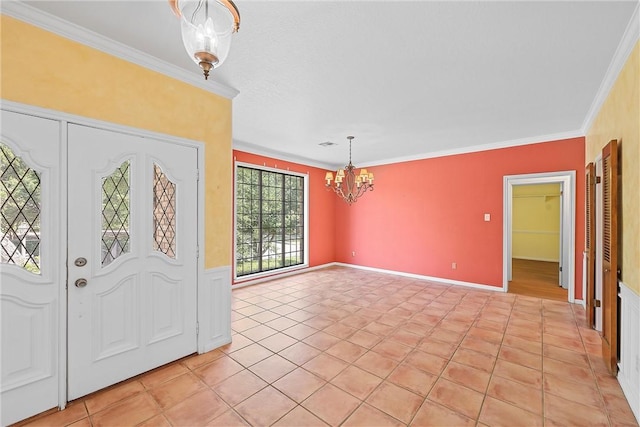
273, 235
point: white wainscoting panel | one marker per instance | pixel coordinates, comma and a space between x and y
214, 309
629, 365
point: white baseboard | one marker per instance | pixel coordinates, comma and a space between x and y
277, 275
629, 365
214, 309
429, 278
380, 270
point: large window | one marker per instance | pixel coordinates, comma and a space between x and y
270, 220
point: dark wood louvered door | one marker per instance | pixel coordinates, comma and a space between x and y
590, 232
610, 255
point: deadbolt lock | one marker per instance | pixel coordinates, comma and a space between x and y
80, 262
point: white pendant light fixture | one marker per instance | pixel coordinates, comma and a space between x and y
349, 184
207, 26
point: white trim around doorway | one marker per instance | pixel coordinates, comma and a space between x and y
568, 236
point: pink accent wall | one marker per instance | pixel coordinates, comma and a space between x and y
321, 206
425, 214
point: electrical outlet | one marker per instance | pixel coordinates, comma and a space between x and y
454, 265
353, 253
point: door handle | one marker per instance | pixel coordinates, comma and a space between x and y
81, 283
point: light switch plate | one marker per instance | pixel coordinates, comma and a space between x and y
487, 217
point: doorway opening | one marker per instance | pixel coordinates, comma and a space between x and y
539, 235
536, 218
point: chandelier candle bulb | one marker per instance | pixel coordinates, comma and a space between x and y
350, 184
328, 177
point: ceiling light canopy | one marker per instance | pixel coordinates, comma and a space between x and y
207, 26
350, 184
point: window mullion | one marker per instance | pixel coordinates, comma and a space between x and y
260, 215
282, 218
301, 216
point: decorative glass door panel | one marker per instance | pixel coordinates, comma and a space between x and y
30, 279
115, 213
20, 202
133, 256
164, 213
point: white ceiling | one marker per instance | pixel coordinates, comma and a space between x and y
407, 78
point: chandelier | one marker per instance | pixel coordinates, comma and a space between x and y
207, 26
348, 184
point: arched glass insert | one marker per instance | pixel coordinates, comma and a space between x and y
115, 213
20, 204
164, 213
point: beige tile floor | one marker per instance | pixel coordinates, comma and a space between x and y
348, 347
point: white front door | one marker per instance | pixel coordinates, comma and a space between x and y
30, 267
132, 256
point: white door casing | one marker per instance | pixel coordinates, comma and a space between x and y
567, 179
30, 300
562, 271
30, 385
138, 310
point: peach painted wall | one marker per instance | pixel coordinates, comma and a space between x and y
619, 118
425, 214
76, 79
321, 205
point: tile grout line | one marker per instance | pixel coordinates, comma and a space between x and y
333, 304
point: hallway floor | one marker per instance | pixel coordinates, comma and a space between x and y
536, 279
341, 346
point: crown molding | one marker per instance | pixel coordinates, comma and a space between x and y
31, 15
626, 45
280, 155
482, 147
